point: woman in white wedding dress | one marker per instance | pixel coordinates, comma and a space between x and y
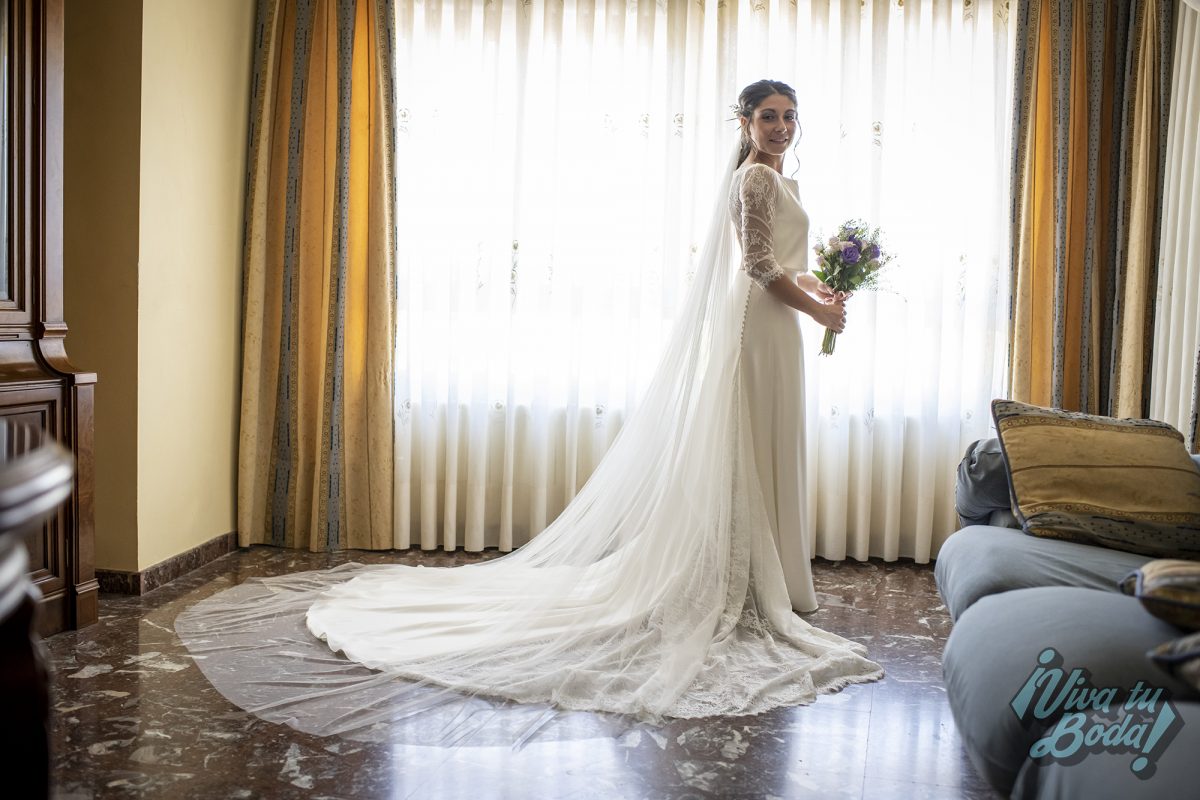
666, 588
772, 228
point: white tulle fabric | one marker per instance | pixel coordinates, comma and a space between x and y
658, 592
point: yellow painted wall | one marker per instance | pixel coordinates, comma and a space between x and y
195, 90
155, 122
101, 129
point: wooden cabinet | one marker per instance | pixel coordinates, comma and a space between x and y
38, 384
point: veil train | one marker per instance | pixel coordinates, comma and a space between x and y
656, 593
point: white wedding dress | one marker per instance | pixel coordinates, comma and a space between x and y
666, 588
773, 230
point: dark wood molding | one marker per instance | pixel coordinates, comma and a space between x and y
38, 383
162, 573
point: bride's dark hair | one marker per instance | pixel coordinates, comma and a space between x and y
750, 98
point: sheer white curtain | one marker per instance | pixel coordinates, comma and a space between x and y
555, 163
1175, 381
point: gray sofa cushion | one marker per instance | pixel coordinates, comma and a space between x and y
1106, 776
980, 561
994, 647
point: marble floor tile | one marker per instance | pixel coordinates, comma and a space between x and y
134, 717
891, 789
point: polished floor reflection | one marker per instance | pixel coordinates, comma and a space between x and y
134, 717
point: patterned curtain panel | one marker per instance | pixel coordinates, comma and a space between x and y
1090, 127
1175, 396
315, 464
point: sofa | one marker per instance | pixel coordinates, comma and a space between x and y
1021, 603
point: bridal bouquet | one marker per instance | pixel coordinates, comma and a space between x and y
849, 262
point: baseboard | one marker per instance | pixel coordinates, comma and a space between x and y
152, 577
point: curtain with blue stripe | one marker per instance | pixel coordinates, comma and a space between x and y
1092, 94
316, 449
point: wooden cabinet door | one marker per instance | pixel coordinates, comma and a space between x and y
38, 384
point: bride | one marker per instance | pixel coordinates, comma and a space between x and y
666, 588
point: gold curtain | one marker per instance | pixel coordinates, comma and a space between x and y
316, 452
1092, 93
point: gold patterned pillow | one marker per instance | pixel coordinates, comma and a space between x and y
1128, 484
1169, 589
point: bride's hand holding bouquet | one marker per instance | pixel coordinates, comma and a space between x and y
831, 314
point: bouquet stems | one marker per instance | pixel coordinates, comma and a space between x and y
828, 342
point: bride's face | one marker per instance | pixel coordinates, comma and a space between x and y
772, 126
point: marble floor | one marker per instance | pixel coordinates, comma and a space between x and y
134, 717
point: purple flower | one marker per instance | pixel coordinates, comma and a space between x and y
854, 240
851, 255
874, 252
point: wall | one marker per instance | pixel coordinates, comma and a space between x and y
101, 129
156, 123
196, 60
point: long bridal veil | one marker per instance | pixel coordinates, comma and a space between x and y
656, 592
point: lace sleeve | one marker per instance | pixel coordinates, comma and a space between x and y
758, 194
